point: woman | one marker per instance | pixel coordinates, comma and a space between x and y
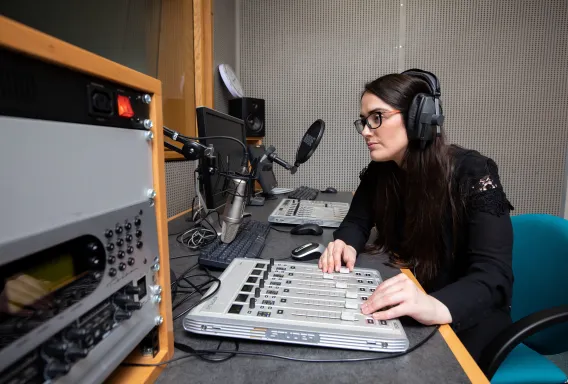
439, 210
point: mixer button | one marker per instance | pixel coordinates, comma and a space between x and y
351, 295
344, 270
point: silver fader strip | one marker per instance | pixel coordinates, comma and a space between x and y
348, 316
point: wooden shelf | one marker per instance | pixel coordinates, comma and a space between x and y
18, 37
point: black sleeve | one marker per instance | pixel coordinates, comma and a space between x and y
488, 281
356, 227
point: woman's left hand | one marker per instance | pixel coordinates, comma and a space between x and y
405, 299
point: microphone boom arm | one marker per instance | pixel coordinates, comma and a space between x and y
273, 156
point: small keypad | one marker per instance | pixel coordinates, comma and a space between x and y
118, 229
121, 254
121, 266
129, 238
128, 226
139, 244
131, 261
111, 259
108, 233
129, 250
112, 272
120, 242
110, 247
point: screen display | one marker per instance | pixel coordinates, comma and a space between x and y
229, 153
28, 287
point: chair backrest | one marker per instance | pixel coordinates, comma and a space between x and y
540, 267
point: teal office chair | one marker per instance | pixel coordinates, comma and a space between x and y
539, 308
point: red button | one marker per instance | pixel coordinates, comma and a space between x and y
124, 107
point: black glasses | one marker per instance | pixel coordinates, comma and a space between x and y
373, 121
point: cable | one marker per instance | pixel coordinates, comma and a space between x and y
213, 279
199, 353
279, 230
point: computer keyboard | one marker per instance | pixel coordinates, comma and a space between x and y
303, 193
248, 243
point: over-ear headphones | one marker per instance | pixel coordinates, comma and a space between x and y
425, 116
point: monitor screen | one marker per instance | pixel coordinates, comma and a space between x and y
229, 153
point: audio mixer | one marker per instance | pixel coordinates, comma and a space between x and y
294, 302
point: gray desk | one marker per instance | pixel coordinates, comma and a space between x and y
433, 362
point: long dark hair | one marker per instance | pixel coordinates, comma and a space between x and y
411, 202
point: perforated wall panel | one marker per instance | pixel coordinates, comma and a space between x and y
504, 82
501, 65
310, 60
180, 185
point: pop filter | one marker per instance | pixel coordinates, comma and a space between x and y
310, 142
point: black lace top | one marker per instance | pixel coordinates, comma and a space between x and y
475, 284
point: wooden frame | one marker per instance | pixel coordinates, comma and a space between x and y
470, 367
185, 64
18, 37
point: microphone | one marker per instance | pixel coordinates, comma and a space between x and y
234, 208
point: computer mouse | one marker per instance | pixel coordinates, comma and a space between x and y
330, 190
307, 229
309, 251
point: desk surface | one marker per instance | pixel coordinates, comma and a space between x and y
433, 362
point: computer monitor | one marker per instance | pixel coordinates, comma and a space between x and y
229, 153
264, 171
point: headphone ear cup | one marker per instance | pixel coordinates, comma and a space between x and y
413, 117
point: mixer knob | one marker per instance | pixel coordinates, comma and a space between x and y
55, 369
76, 334
261, 283
56, 349
257, 292
75, 353
127, 302
132, 290
122, 315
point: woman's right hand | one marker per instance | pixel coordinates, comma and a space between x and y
337, 251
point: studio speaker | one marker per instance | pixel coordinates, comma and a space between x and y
251, 111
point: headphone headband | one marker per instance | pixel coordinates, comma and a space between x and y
428, 77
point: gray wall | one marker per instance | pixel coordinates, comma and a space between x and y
501, 65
